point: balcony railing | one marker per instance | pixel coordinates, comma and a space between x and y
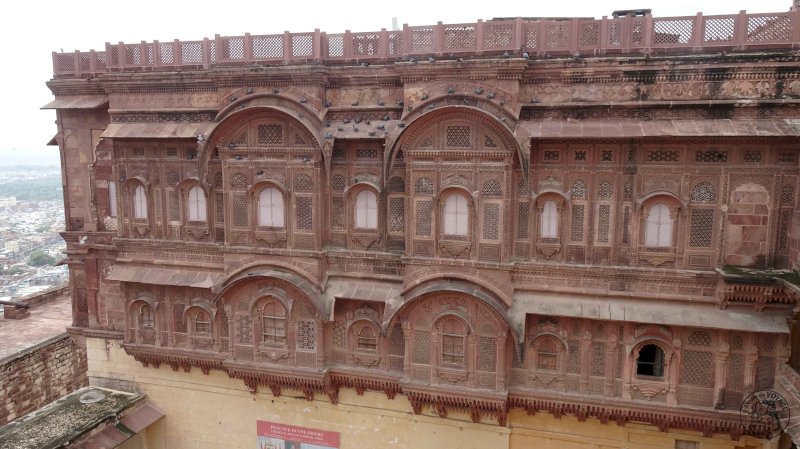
537, 38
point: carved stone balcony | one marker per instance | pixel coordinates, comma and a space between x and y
761, 288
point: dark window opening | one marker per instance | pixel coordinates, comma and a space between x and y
650, 361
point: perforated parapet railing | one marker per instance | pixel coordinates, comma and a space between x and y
537, 38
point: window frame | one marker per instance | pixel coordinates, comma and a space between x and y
140, 211
197, 207
658, 365
365, 216
269, 209
276, 340
456, 205
664, 226
453, 341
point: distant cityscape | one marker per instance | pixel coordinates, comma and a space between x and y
31, 217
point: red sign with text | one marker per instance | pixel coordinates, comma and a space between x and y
283, 436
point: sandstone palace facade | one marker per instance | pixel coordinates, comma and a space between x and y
509, 233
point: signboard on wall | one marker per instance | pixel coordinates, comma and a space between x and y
283, 436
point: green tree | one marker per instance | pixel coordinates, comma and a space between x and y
39, 258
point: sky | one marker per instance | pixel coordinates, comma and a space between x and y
33, 29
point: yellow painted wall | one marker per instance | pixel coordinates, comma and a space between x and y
217, 412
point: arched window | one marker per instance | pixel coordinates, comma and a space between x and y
454, 336
658, 229
273, 324
366, 210
139, 203
197, 204
367, 339
270, 208
549, 221
547, 355
146, 318
456, 215
650, 361
202, 323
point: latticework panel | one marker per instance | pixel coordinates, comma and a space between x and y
598, 358
339, 329
304, 219
574, 357
698, 369
422, 39
589, 34
498, 35
397, 214
487, 354
306, 335
270, 134
663, 156
769, 28
303, 183
522, 220
422, 353
576, 228
491, 188
423, 216
423, 186
459, 37
239, 209
338, 183
699, 338
603, 222
458, 136
491, 221
174, 206
700, 397
704, 193
219, 208
787, 195
238, 181
765, 373
579, 190
626, 221
605, 191
672, 31
701, 228
783, 230
752, 157
267, 47
337, 212
396, 185
717, 156
244, 329
557, 34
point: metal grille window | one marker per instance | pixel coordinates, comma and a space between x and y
270, 208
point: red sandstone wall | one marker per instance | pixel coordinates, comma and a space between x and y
40, 375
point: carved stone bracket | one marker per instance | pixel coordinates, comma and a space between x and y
548, 251
454, 249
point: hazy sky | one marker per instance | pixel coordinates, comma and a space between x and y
32, 29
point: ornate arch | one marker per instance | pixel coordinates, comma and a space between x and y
233, 120
423, 118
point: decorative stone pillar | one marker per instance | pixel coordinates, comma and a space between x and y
500, 366
409, 350
720, 373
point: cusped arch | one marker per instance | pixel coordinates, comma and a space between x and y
421, 119
424, 289
653, 197
255, 272
229, 125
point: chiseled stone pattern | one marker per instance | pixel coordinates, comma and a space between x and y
40, 375
390, 227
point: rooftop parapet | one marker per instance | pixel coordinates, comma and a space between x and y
519, 37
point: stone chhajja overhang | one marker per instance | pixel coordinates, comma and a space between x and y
182, 277
77, 102
577, 129
683, 314
167, 130
481, 405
